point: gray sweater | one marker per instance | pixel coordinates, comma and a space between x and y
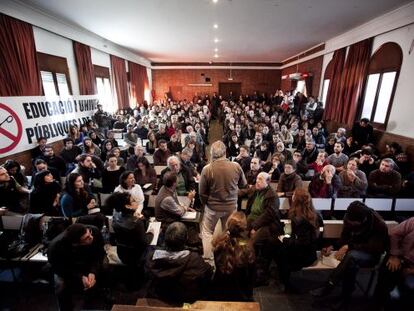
219, 185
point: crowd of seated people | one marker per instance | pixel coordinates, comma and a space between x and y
284, 127
278, 139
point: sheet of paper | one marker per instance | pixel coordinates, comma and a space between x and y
38, 257
189, 215
185, 201
330, 260
155, 227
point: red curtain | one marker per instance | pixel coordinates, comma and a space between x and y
19, 73
333, 97
356, 66
119, 81
85, 68
138, 81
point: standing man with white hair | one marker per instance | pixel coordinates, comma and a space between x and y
219, 184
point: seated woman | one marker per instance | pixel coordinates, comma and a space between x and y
275, 169
107, 147
111, 174
127, 184
299, 142
14, 169
152, 143
233, 146
95, 137
44, 198
129, 227
354, 182
263, 153
289, 180
120, 156
234, 258
174, 145
89, 147
197, 157
75, 134
75, 200
298, 250
145, 173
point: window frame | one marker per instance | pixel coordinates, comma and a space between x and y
327, 76
385, 69
101, 72
54, 64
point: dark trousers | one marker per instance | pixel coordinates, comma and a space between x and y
69, 295
347, 270
394, 290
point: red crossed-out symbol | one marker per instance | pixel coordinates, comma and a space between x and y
11, 117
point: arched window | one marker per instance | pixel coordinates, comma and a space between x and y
381, 82
326, 79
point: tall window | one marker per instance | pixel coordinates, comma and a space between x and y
55, 75
103, 85
326, 80
381, 82
301, 87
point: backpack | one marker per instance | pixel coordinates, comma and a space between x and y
29, 235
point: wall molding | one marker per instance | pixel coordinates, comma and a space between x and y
216, 67
64, 28
400, 17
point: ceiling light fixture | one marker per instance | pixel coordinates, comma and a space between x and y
215, 1
216, 40
215, 26
216, 55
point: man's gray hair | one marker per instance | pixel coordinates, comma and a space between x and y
265, 175
187, 151
329, 167
390, 161
218, 150
171, 158
176, 236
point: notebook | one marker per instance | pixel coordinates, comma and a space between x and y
155, 227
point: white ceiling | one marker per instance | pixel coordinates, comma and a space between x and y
249, 30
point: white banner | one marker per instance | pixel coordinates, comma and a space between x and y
24, 119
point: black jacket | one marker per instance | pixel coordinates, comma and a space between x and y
177, 276
71, 262
303, 243
371, 237
131, 239
42, 199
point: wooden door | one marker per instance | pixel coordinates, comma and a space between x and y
226, 87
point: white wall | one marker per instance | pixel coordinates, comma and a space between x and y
54, 37
100, 58
401, 117
396, 26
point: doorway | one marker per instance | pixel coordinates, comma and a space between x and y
226, 87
